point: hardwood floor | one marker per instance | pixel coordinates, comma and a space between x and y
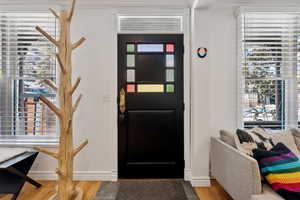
215, 192
47, 190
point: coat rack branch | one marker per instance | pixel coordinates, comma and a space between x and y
49, 37
80, 147
75, 86
78, 43
58, 172
71, 13
77, 103
61, 64
50, 84
51, 105
52, 154
54, 13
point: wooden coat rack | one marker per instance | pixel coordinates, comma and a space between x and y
66, 189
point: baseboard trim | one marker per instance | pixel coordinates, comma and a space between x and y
201, 181
78, 175
187, 174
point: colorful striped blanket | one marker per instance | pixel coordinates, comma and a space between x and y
281, 169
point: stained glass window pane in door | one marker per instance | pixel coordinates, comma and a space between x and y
130, 88
131, 75
170, 60
157, 88
130, 48
170, 88
170, 48
155, 48
170, 75
130, 60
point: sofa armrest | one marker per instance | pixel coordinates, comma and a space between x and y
236, 172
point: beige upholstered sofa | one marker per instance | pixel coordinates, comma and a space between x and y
238, 173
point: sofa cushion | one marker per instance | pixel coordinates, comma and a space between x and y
287, 138
253, 139
267, 194
227, 137
281, 169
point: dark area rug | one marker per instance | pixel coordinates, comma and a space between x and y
146, 190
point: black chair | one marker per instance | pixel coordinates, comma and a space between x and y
13, 174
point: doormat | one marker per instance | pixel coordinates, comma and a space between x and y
146, 190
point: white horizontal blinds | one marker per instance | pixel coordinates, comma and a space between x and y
25, 50
150, 24
269, 69
27, 59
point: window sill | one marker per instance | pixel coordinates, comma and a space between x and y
27, 144
28, 141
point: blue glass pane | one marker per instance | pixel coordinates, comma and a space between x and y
150, 48
170, 60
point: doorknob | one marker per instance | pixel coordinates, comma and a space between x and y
122, 106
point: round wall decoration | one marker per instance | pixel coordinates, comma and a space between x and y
202, 52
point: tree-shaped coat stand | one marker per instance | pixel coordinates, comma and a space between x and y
66, 152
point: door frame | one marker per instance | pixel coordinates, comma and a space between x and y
185, 13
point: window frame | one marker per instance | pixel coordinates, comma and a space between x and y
33, 140
290, 109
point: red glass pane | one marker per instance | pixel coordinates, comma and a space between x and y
170, 47
130, 88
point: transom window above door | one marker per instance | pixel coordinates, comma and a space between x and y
145, 73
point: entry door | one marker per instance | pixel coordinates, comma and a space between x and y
150, 84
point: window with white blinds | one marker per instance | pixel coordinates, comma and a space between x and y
27, 59
269, 69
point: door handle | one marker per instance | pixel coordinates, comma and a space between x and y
122, 103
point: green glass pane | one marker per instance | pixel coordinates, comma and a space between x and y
130, 61
130, 47
170, 75
170, 88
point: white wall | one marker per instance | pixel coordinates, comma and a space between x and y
96, 63
213, 83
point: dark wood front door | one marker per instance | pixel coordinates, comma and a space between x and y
150, 85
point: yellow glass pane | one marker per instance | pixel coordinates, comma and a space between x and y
150, 88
